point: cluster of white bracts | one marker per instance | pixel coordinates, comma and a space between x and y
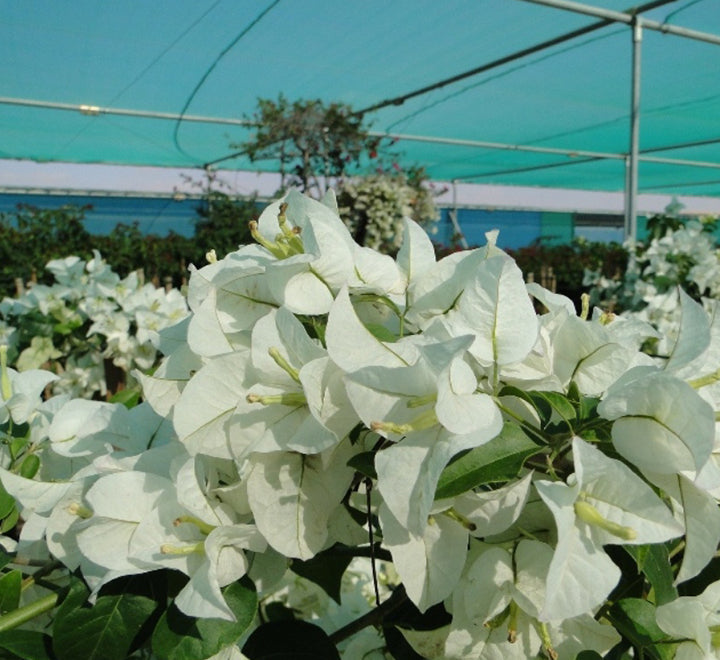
238, 460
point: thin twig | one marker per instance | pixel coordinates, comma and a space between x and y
368, 491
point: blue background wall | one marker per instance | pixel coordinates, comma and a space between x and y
160, 215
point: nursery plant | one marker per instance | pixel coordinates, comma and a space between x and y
86, 322
309, 142
460, 476
678, 252
374, 207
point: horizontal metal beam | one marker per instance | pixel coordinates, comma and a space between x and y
629, 19
91, 110
95, 110
571, 153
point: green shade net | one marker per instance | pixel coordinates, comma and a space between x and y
212, 59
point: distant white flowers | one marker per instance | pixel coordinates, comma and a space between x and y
87, 315
374, 208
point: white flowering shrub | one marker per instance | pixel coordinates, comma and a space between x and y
88, 315
374, 208
678, 254
461, 477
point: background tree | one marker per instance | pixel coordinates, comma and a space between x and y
309, 142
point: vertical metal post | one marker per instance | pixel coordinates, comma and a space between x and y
452, 213
632, 167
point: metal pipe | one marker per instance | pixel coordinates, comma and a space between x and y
632, 181
452, 214
572, 153
587, 29
94, 110
629, 19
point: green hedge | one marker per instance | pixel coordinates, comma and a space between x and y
561, 267
30, 237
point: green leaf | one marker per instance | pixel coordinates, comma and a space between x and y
381, 332
496, 461
554, 402
17, 444
180, 637
325, 569
653, 561
289, 640
588, 655
7, 503
364, 463
9, 521
545, 403
634, 618
5, 557
129, 397
26, 644
10, 585
104, 631
29, 466
587, 408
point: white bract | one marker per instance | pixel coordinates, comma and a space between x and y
507, 467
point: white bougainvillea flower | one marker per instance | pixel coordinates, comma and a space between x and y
106, 541
604, 502
207, 547
68, 271
292, 496
224, 563
352, 346
314, 250
20, 392
227, 297
168, 523
695, 622
661, 424
295, 398
282, 394
429, 563
495, 607
586, 353
435, 404
439, 389
89, 428
494, 307
698, 512
434, 288
492, 512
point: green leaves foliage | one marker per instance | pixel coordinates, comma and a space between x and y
498, 460
10, 591
180, 637
104, 631
635, 619
654, 562
27, 645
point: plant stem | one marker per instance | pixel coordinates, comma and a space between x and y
27, 612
